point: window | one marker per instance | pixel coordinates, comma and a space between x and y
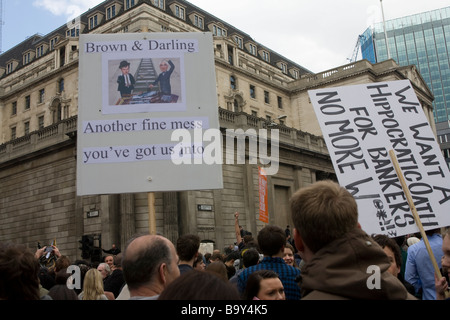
61, 85
111, 12
283, 67
252, 91
26, 127
252, 49
280, 102
27, 102
266, 56
198, 21
41, 122
41, 95
13, 133
179, 12
53, 43
254, 113
14, 108
266, 97
159, 3
93, 22
9, 67
230, 55
39, 51
296, 74
219, 31
233, 82
26, 58
129, 4
239, 42
74, 32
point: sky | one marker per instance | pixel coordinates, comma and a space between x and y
316, 34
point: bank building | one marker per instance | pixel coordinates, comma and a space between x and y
257, 88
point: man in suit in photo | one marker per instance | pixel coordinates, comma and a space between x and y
126, 80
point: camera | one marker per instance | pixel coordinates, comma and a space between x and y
48, 251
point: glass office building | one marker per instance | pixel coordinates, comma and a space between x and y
423, 40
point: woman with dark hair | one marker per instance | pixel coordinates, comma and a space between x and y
264, 285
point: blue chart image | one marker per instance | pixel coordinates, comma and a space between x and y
144, 85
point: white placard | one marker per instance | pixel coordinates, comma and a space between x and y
361, 124
135, 91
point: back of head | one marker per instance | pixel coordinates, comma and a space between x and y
118, 260
62, 262
271, 239
187, 246
199, 285
92, 284
18, 273
142, 258
250, 257
218, 268
323, 212
412, 240
62, 292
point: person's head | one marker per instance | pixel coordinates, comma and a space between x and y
322, 213
18, 273
446, 250
150, 262
92, 284
118, 261
62, 262
271, 240
124, 67
62, 292
216, 256
104, 269
250, 257
187, 246
219, 269
164, 65
199, 264
392, 250
264, 285
109, 259
289, 255
247, 238
197, 285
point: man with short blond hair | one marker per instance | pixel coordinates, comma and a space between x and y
341, 261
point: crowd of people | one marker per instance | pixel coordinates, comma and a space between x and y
326, 256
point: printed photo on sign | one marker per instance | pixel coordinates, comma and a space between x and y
143, 84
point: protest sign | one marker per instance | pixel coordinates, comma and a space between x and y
361, 124
135, 92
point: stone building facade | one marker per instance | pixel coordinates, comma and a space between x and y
256, 88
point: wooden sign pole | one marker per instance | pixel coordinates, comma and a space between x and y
414, 212
151, 213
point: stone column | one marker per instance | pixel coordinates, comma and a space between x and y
170, 215
127, 219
